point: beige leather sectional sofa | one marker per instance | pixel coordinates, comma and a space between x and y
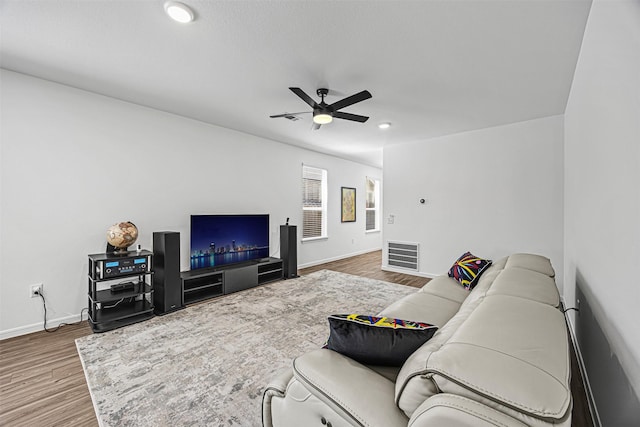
499, 358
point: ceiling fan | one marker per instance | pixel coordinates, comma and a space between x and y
324, 113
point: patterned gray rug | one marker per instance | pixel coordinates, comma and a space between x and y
208, 365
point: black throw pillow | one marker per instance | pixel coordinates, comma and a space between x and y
376, 340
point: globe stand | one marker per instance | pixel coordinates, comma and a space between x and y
116, 251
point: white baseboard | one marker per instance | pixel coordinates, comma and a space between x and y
583, 371
36, 327
338, 258
410, 272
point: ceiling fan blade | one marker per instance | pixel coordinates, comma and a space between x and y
315, 126
289, 114
350, 100
306, 98
349, 116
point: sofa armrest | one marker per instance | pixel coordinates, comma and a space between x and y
278, 385
456, 411
359, 394
276, 388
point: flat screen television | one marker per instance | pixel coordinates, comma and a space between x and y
218, 240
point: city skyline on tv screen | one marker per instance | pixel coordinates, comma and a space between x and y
223, 239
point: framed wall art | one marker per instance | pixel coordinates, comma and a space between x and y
348, 204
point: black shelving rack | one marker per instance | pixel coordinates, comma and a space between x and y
113, 309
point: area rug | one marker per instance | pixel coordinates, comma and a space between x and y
209, 364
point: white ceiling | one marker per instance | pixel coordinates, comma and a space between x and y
433, 67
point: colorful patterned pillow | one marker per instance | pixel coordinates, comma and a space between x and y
376, 340
468, 268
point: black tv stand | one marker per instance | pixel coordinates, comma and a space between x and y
198, 285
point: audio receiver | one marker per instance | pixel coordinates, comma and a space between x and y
122, 266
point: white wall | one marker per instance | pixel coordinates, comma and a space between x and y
493, 192
73, 163
602, 177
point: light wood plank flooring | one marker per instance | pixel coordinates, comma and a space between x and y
42, 382
368, 265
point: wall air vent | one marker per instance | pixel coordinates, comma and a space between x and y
403, 255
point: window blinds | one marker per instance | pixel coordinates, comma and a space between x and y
372, 187
314, 205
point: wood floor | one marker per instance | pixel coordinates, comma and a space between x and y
42, 382
368, 265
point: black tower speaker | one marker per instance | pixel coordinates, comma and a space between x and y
167, 284
289, 250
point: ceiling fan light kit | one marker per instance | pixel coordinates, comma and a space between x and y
322, 118
324, 113
179, 12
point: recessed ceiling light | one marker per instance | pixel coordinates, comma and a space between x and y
178, 11
384, 125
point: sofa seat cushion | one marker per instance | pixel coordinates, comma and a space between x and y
531, 262
529, 284
446, 287
422, 307
510, 353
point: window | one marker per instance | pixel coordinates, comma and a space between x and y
372, 207
314, 203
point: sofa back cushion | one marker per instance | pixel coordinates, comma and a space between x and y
413, 386
533, 262
528, 284
415, 383
510, 353
422, 307
445, 287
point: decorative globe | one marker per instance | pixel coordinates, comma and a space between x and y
122, 235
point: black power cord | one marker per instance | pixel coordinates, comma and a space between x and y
44, 304
571, 308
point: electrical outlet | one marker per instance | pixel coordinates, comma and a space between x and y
35, 290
